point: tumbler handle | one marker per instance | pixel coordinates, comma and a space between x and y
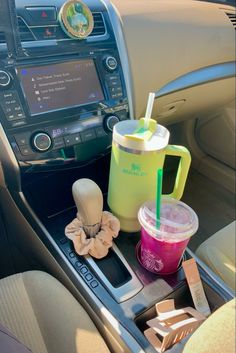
183, 169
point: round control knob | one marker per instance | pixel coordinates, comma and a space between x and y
41, 142
5, 79
110, 63
110, 122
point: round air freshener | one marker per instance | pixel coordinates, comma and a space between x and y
76, 19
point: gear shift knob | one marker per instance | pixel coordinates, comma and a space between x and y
89, 201
93, 230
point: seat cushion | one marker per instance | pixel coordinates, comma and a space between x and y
216, 334
9, 343
218, 252
45, 317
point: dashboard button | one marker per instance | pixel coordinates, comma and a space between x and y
58, 143
122, 114
94, 284
41, 141
8, 96
112, 77
100, 132
23, 138
115, 89
114, 83
26, 150
88, 135
69, 141
18, 123
110, 121
83, 270
72, 140
78, 264
10, 103
5, 79
20, 115
72, 254
89, 277
48, 32
42, 14
63, 240
13, 115
116, 95
110, 63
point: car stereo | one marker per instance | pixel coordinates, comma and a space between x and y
60, 99
60, 86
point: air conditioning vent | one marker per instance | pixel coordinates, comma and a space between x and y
99, 25
25, 33
232, 17
2, 38
31, 34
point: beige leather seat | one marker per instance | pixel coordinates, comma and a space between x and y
216, 334
218, 252
44, 316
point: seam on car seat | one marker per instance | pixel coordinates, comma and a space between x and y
17, 314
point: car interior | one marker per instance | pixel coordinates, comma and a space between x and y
111, 112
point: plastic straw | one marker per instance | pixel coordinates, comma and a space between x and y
158, 197
148, 113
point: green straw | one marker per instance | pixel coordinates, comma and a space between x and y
158, 197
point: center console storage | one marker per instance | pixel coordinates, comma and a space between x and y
124, 287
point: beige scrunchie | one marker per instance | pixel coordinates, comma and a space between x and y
99, 245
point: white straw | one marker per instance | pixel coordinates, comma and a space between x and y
148, 114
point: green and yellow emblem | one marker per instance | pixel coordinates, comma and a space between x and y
76, 19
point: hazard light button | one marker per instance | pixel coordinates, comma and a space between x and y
42, 15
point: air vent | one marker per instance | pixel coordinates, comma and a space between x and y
31, 34
99, 25
232, 17
25, 33
2, 38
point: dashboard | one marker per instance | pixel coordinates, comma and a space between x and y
168, 42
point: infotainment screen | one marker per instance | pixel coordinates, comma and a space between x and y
59, 86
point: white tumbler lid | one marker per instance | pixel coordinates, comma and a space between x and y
158, 141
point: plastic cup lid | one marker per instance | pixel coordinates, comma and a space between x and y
158, 141
178, 221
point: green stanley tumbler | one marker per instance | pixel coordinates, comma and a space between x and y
134, 163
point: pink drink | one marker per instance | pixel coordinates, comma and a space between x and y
162, 249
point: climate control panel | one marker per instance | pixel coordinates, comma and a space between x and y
56, 144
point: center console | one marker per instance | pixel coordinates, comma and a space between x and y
59, 100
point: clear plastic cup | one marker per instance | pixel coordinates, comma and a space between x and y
161, 250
